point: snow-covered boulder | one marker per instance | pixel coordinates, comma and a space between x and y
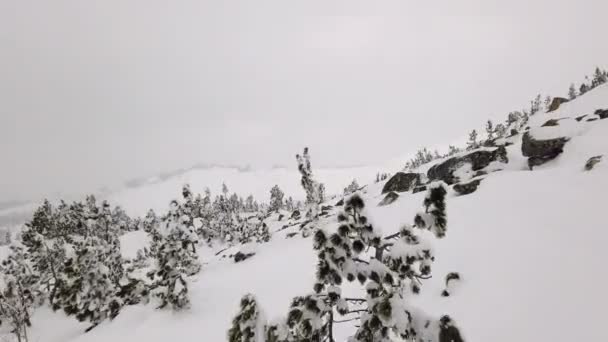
543, 144
402, 181
602, 113
557, 101
477, 160
389, 198
467, 188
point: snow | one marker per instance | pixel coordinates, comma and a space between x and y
530, 247
566, 128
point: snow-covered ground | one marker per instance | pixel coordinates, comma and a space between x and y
530, 247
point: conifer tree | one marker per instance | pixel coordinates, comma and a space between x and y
472, 143
452, 150
18, 292
248, 325
89, 292
289, 204
351, 188
501, 130
314, 190
583, 89
547, 103
535, 105
176, 259
395, 271
572, 92
599, 78
490, 129
249, 204
276, 199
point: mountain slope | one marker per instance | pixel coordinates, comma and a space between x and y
529, 246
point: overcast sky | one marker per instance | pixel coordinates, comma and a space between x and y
97, 92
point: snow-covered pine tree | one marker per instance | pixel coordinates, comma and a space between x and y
315, 192
391, 274
276, 199
351, 188
547, 103
176, 258
490, 129
321, 193
501, 130
249, 204
89, 292
535, 105
225, 190
249, 324
599, 78
45, 247
472, 143
583, 89
289, 204
18, 293
452, 150
572, 92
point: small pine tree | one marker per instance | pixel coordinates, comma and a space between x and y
472, 143
176, 259
572, 92
89, 292
490, 129
17, 293
452, 150
248, 325
276, 199
315, 192
535, 105
289, 204
599, 78
547, 103
501, 130
351, 188
583, 89
249, 204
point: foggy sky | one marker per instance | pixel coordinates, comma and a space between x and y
93, 93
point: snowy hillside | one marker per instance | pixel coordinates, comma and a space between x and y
529, 245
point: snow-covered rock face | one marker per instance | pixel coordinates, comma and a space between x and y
453, 169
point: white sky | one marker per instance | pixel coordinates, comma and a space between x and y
97, 92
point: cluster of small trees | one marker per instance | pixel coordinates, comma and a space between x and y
69, 255
390, 269
599, 77
424, 156
381, 176
351, 188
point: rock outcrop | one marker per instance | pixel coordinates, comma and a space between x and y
590, 164
602, 113
478, 160
551, 123
541, 151
557, 101
402, 181
467, 188
389, 198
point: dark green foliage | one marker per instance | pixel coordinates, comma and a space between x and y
246, 323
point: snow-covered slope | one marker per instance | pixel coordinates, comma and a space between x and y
530, 247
